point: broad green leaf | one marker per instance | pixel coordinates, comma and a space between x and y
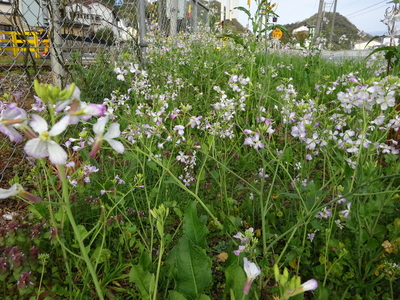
203, 297
145, 260
194, 230
235, 279
193, 269
143, 280
174, 295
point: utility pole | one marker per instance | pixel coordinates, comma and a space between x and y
319, 19
333, 23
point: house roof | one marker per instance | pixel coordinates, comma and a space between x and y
88, 2
300, 29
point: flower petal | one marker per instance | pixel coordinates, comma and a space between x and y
251, 269
100, 125
60, 126
14, 135
95, 109
113, 131
12, 191
57, 154
38, 123
61, 105
309, 285
116, 145
12, 113
36, 148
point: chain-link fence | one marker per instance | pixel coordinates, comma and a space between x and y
49, 40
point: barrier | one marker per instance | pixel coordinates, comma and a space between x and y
17, 42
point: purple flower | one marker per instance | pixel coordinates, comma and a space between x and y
254, 141
10, 118
239, 250
346, 212
310, 236
24, 280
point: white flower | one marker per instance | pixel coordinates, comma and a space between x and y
112, 133
43, 145
180, 129
252, 271
17, 190
309, 285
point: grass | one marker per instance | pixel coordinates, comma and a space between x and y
298, 154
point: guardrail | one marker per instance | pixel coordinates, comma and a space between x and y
21, 42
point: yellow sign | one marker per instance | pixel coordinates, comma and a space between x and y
277, 33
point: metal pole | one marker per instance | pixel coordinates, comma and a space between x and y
319, 20
222, 11
56, 40
142, 29
333, 23
174, 18
195, 16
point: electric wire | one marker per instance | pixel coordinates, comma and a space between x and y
360, 10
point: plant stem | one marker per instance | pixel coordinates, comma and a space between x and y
78, 237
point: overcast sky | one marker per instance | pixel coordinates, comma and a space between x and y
364, 14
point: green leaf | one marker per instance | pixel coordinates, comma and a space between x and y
194, 230
143, 280
193, 269
387, 49
235, 38
235, 279
101, 255
174, 295
82, 231
145, 261
203, 297
245, 10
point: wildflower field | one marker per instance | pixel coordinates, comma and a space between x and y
214, 171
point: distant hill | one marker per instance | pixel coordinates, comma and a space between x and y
229, 25
342, 27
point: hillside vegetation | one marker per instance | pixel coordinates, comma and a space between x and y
342, 27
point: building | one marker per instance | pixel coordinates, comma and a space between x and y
85, 18
5, 15
78, 18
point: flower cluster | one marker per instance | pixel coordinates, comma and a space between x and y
65, 109
189, 162
248, 242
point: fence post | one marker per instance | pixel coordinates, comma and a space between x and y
56, 44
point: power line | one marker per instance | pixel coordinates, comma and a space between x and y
360, 10
352, 4
365, 12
